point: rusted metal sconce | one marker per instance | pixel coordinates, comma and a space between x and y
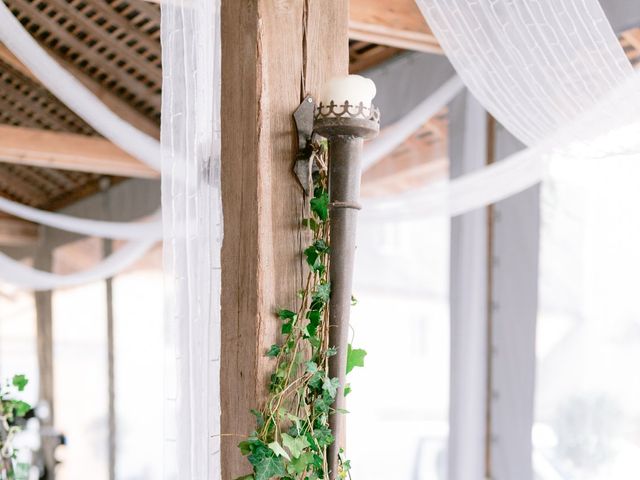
345, 127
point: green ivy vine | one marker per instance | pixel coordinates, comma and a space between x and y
292, 433
11, 411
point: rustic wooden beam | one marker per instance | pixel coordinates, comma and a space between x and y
420, 160
114, 103
15, 232
43, 260
397, 24
273, 53
68, 151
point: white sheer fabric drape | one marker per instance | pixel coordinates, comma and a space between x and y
552, 72
536, 65
192, 236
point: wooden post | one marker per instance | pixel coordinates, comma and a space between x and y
44, 331
273, 53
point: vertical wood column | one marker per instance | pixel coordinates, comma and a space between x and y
44, 330
273, 53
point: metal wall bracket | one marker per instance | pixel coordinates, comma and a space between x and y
303, 116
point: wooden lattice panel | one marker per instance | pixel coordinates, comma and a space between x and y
25, 102
116, 43
45, 187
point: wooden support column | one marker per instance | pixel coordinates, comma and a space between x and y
273, 53
44, 331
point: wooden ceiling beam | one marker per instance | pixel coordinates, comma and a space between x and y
68, 151
420, 160
396, 24
15, 232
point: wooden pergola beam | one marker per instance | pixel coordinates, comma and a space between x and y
68, 151
396, 24
420, 160
15, 232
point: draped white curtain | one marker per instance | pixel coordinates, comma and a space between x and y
554, 74
192, 236
551, 71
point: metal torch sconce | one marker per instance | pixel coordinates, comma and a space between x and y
345, 124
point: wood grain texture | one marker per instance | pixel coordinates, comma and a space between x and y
273, 53
398, 24
15, 232
68, 151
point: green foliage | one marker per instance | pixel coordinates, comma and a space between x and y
274, 351
11, 410
20, 381
355, 358
292, 429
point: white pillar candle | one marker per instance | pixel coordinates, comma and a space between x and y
352, 88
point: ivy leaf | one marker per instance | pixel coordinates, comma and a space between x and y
314, 322
354, 301
245, 448
287, 328
296, 427
285, 314
355, 358
312, 367
274, 351
323, 435
332, 351
269, 467
259, 451
347, 389
278, 450
321, 246
313, 259
320, 205
330, 385
323, 292
310, 223
295, 445
21, 408
20, 381
316, 381
300, 464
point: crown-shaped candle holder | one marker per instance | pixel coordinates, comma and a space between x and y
355, 120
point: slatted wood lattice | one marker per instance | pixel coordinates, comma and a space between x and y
112, 46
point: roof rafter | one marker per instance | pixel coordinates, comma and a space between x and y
68, 151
